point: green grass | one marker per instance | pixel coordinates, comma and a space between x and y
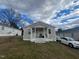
15, 48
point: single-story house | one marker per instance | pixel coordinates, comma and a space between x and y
39, 32
9, 31
74, 33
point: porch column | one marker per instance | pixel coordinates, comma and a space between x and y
44, 32
31, 33
47, 33
35, 32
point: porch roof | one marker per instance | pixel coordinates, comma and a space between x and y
40, 23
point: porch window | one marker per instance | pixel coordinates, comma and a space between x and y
49, 31
29, 32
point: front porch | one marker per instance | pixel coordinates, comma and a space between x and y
39, 34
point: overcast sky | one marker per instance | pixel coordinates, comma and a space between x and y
44, 10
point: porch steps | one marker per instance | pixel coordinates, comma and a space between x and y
39, 40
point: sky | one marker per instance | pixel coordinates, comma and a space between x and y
60, 13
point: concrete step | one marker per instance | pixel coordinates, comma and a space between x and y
39, 40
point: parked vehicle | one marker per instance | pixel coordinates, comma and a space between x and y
70, 42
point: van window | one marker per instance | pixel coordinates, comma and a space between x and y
64, 38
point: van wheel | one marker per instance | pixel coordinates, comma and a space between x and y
70, 45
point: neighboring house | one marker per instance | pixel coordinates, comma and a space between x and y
74, 33
39, 32
9, 31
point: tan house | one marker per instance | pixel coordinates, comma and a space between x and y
74, 33
39, 32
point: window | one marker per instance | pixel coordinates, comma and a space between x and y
2, 27
49, 31
29, 32
33, 29
72, 35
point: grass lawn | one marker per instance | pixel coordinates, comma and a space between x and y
15, 48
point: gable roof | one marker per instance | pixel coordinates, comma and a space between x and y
70, 30
40, 23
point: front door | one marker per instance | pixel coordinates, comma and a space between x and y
40, 33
